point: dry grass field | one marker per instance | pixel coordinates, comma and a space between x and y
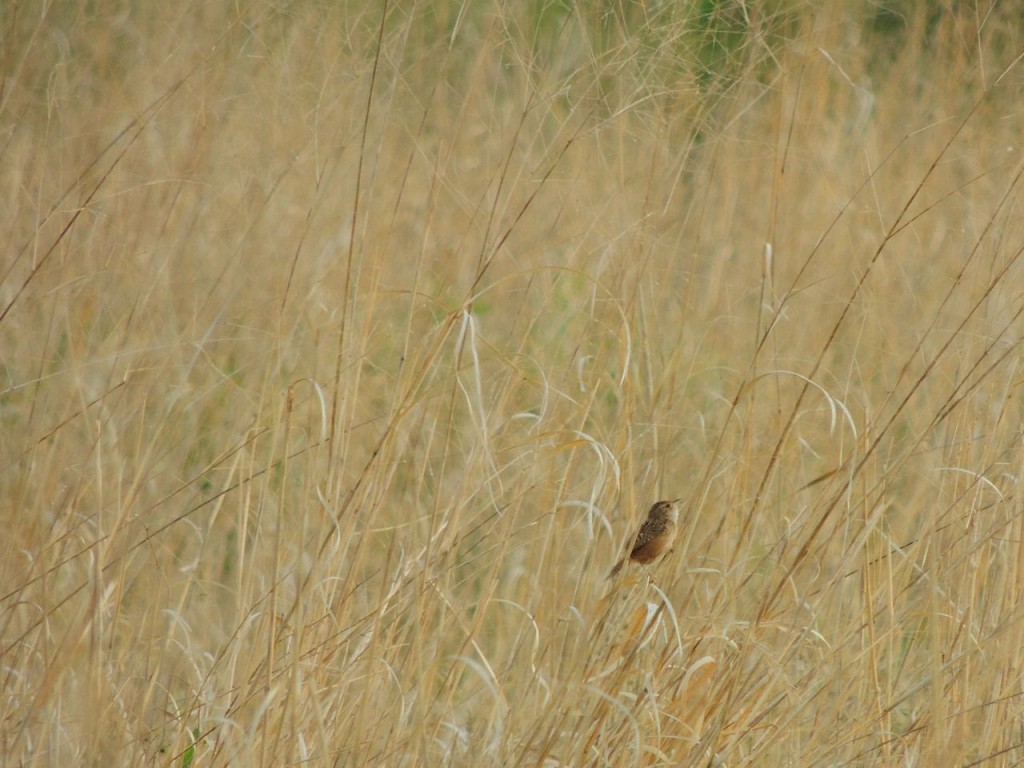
345, 345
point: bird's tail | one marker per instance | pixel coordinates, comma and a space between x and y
617, 568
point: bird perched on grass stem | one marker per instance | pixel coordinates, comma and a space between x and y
655, 537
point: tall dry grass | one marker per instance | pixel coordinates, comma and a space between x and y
343, 346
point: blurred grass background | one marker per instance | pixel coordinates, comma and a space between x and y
344, 345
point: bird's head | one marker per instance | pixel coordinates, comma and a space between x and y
666, 510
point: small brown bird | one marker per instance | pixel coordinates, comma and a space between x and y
655, 536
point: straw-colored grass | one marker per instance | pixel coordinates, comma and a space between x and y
345, 345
